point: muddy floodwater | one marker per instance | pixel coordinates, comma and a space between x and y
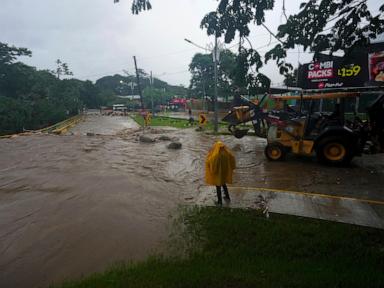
74, 204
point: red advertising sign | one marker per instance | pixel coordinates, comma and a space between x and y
363, 67
333, 72
376, 66
176, 101
320, 70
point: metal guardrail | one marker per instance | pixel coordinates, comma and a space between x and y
63, 126
58, 128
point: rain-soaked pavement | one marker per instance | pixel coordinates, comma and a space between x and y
73, 204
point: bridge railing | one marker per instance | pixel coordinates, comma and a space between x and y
58, 128
63, 126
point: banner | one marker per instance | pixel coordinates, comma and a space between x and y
334, 72
376, 66
363, 68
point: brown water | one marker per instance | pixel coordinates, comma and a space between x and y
74, 204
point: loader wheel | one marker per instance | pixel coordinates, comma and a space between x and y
275, 152
237, 132
334, 151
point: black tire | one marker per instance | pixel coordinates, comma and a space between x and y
240, 133
275, 152
261, 128
334, 151
237, 132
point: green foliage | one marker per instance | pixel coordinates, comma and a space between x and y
158, 96
161, 92
163, 121
8, 54
127, 85
202, 81
241, 248
32, 99
291, 78
320, 25
202, 68
13, 115
61, 69
138, 5
352, 26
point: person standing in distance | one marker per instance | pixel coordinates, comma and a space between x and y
219, 166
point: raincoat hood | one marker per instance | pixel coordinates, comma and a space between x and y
219, 165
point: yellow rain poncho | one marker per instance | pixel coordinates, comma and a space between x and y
219, 165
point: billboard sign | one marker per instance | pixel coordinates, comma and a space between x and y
364, 68
376, 66
334, 72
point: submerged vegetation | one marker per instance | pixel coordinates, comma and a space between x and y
241, 248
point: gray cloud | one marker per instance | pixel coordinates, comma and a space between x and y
98, 38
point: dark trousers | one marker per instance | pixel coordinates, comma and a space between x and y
226, 194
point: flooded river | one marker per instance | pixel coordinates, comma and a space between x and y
74, 204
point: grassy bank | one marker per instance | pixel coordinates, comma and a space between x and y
179, 123
241, 248
164, 121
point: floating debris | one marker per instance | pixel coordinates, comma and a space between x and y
174, 145
146, 139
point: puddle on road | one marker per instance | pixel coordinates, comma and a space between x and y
74, 204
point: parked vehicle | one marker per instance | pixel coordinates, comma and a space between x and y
335, 137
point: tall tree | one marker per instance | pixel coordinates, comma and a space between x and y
138, 5
202, 80
290, 79
61, 69
320, 25
8, 54
156, 96
32, 99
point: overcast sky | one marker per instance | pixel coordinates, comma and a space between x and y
98, 38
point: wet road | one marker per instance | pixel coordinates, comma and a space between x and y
104, 125
74, 204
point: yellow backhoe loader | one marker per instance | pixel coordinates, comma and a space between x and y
303, 130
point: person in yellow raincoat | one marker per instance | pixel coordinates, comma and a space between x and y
219, 166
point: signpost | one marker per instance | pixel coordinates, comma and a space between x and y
147, 119
202, 120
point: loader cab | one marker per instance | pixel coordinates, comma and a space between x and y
329, 125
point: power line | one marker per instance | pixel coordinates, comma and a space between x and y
119, 71
284, 11
167, 54
277, 38
269, 44
196, 45
174, 73
102, 74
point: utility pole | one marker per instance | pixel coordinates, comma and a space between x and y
215, 54
204, 97
138, 84
216, 124
152, 93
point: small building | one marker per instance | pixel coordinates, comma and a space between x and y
119, 108
129, 97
